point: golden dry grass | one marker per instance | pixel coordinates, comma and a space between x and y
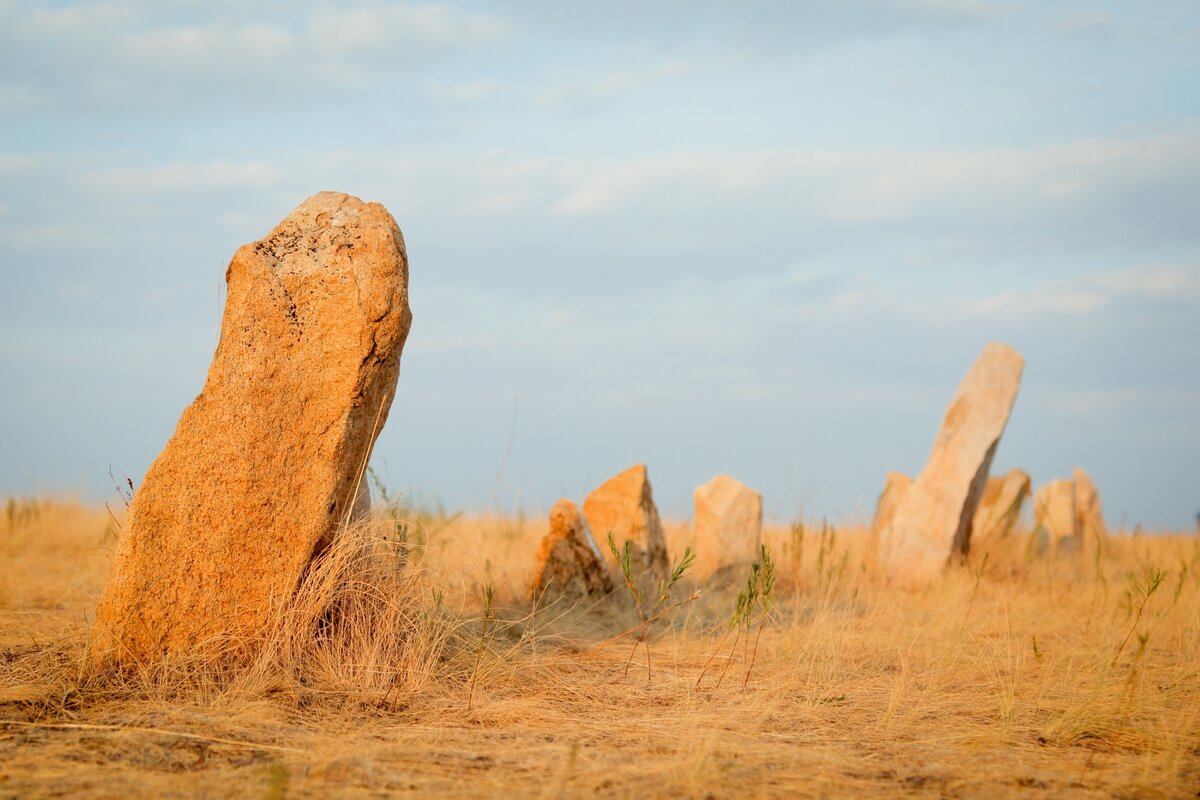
1008, 677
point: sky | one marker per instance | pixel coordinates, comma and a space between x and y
757, 238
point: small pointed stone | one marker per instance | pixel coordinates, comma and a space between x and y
569, 564
894, 490
624, 506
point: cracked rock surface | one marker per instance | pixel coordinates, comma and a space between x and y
265, 463
569, 563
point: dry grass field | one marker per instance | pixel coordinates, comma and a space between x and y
1076, 675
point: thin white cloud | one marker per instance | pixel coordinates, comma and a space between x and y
11, 165
969, 9
614, 84
179, 177
466, 92
1096, 292
106, 55
15, 99
879, 186
376, 25
1113, 402
1089, 22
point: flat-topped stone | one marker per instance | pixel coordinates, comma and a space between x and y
1067, 513
728, 525
1054, 518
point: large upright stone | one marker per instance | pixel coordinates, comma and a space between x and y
624, 506
265, 463
728, 525
894, 490
1000, 507
933, 523
569, 564
1055, 520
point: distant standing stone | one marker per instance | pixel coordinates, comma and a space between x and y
1067, 513
264, 465
624, 506
569, 563
1055, 519
1000, 508
1088, 512
894, 491
728, 525
933, 522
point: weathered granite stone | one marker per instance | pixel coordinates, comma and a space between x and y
1000, 507
933, 522
728, 525
1054, 517
264, 464
624, 506
1067, 514
1088, 513
894, 490
569, 564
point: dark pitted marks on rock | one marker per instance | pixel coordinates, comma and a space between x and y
263, 466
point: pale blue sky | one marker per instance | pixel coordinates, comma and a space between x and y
763, 238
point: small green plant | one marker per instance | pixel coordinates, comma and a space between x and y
796, 549
624, 559
1097, 561
647, 615
410, 525
753, 604
489, 597
766, 584
389, 510
1140, 590
829, 570
678, 570
825, 546
979, 570
1143, 640
277, 780
1183, 572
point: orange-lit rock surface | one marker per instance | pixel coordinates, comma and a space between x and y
265, 463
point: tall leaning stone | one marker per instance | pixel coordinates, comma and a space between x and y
266, 462
933, 522
624, 506
728, 525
